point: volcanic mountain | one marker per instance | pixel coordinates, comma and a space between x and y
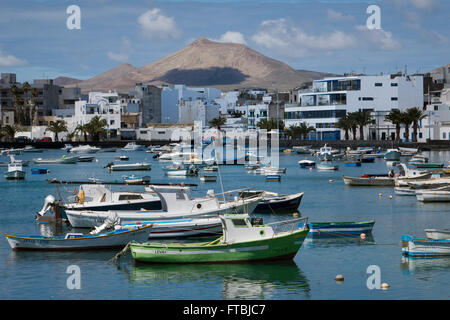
205, 63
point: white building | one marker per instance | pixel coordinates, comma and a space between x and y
172, 95
105, 105
332, 98
202, 110
228, 102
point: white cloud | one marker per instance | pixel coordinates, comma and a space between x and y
232, 36
424, 4
377, 38
293, 41
124, 53
8, 60
156, 25
337, 16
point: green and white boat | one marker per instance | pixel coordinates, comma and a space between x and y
243, 240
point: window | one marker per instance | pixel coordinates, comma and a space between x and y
130, 197
444, 135
367, 99
393, 84
420, 135
394, 99
436, 108
378, 84
111, 122
239, 222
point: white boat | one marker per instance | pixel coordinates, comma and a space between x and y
327, 153
408, 151
15, 170
100, 198
25, 163
207, 178
417, 247
392, 155
272, 176
302, 149
180, 170
175, 156
418, 159
67, 147
434, 195
429, 183
62, 160
176, 203
132, 146
123, 158
327, 166
84, 149
307, 163
369, 181
135, 180
438, 233
117, 238
129, 167
405, 191
32, 149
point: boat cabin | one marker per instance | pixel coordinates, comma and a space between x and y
240, 228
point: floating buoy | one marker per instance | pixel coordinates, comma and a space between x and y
295, 214
390, 197
385, 286
363, 235
380, 194
310, 169
331, 180
339, 277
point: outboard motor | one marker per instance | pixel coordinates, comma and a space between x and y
50, 201
111, 221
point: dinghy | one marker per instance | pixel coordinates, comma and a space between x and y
336, 229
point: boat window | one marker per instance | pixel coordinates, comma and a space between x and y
239, 222
130, 197
180, 195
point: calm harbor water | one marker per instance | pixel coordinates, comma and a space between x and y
42, 275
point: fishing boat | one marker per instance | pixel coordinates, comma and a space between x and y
369, 181
86, 158
272, 177
32, 149
78, 241
84, 149
208, 178
129, 167
438, 233
327, 166
243, 240
183, 227
15, 170
441, 194
272, 201
39, 170
100, 198
392, 155
326, 153
427, 165
132, 146
336, 229
176, 203
135, 180
63, 160
307, 163
420, 247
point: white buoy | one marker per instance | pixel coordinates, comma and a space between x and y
331, 180
363, 235
385, 286
339, 277
390, 197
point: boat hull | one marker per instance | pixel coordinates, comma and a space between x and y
371, 181
336, 229
15, 175
108, 240
416, 247
277, 248
67, 160
291, 202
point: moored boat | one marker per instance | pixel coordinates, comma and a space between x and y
15, 170
336, 229
441, 194
273, 202
62, 160
132, 146
392, 155
129, 167
307, 163
327, 166
84, 149
438, 233
427, 165
243, 240
420, 247
208, 178
369, 181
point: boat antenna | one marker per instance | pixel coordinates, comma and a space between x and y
220, 175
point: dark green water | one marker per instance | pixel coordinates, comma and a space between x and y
31, 275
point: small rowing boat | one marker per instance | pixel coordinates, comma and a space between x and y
336, 229
369, 181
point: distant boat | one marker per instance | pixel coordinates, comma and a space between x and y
327, 166
428, 165
208, 178
39, 171
62, 160
334, 229
84, 149
405, 191
123, 158
132, 146
211, 168
438, 233
108, 150
129, 167
15, 170
368, 158
78, 241
408, 151
272, 202
25, 163
369, 181
419, 247
86, 158
307, 163
273, 177
135, 180
32, 149
353, 163
392, 155
302, 150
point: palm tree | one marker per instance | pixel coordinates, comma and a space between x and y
10, 131
363, 118
57, 127
34, 95
345, 124
395, 117
305, 130
26, 87
71, 135
82, 129
96, 127
353, 123
406, 120
415, 115
217, 123
271, 124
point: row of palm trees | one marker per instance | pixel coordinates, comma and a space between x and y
94, 128
350, 122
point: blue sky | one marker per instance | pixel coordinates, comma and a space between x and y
329, 36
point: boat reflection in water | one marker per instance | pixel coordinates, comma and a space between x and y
339, 241
411, 265
240, 281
